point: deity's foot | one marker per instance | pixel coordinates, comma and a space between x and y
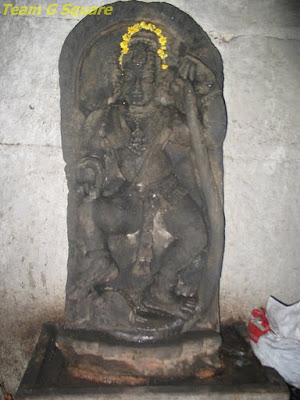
186, 289
188, 279
182, 308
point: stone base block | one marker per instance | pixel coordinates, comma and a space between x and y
53, 375
102, 359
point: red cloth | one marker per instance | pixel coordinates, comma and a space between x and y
258, 324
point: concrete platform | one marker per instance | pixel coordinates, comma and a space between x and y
243, 377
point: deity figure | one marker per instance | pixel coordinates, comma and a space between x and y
150, 218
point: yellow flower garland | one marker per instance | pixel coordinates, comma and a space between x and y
131, 30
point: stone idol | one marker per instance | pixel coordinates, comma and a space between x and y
143, 123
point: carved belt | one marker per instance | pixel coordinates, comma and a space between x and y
169, 188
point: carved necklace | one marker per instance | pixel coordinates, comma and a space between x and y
138, 140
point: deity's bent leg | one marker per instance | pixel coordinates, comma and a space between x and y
98, 219
97, 268
98, 265
185, 222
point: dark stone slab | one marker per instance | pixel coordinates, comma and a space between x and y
142, 138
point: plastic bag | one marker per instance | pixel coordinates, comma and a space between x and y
275, 338
284, 320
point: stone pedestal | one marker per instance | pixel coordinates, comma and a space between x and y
48, 375
103, 359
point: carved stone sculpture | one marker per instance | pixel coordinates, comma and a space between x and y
143, 123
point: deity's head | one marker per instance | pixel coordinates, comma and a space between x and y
140, 68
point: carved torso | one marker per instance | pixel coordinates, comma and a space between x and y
131, 145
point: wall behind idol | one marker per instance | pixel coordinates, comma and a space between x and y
259, 43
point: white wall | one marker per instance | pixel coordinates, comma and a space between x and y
259, 42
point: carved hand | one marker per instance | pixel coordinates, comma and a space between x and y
89, 177
203, 79
203, 98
